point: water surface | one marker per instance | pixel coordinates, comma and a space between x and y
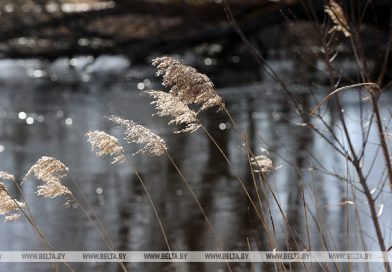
47, 112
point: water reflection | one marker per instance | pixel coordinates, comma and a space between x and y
121, 203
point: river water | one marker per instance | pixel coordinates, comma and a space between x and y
46, 110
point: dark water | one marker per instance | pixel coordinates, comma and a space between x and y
42, 114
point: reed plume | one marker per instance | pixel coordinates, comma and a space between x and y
134, 133
186, 83
47, 169
9, 206
50, 171
12, 217
6, 176
106, 145
168, 105
262, 164
52, 190
336, 13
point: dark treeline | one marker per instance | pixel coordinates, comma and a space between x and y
50, 29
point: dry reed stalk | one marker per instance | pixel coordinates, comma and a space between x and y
50, 171
202, 210
352, 159
135, 133
8, 204
179, 77
265, 199
374, 91
20, 205
155, 145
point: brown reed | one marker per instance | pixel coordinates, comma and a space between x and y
134, 133
336, 13
167, 104
186, 83
8, 206
106, 145
50, 171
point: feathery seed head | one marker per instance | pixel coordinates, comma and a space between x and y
6, 176
12, 217
168, 105
336, 13
134, 133
47, 169
106, 145
8, 204
262, 164
186, 83
52, 190
50, 171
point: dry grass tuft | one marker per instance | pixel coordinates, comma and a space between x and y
169, 105
336, 13
134, 133
186, 83
106, 145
